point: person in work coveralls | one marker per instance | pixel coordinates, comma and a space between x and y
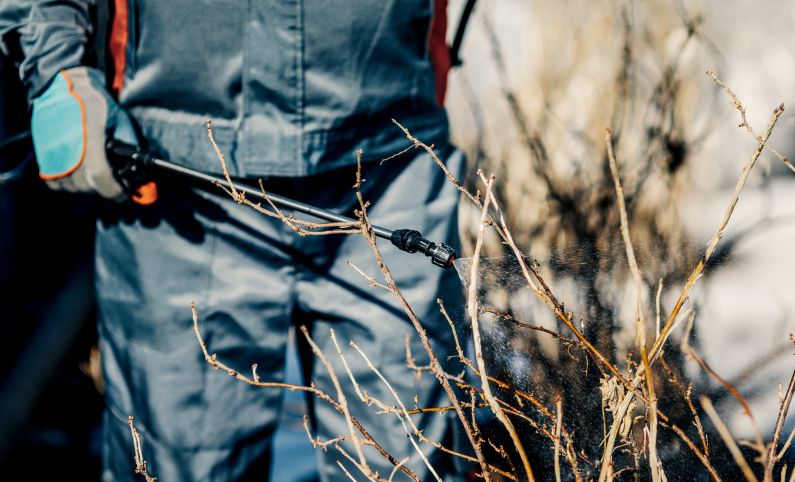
293, 88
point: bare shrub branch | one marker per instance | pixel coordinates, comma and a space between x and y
140, 462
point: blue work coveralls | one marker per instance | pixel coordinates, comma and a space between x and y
293, 88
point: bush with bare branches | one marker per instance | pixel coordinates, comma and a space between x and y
596, 388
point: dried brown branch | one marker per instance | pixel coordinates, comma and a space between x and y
474, 314
554, 334
140, 462
340, 398
463, 456
695, 275
459, 351
324, 445
622, 210
558, 426
685, 393
657, 305
371, 279
411, 362
634, 379
540, 407
345, 471
238, 197
688, 350
504, 454
438, 372
254, 380
728, 439
651, 408
752, 369
372, 476
544, 293
301, 227
744, 124
773, 455
450, 176
405, 419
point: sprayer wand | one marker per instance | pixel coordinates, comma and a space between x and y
132, 168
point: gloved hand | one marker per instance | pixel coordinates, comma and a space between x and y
71, 122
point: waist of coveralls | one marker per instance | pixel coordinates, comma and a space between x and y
264, 149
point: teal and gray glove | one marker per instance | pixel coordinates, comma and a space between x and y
71, 122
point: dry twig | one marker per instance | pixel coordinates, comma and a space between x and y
254, 380
436, 367
140, 461
727, 437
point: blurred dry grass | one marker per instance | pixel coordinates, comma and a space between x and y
638, 69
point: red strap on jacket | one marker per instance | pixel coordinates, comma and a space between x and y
440, 53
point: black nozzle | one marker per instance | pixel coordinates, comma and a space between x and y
411, 241
130, 165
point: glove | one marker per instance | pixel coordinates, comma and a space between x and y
70, 125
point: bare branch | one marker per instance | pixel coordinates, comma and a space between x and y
438, 372
140, 462
474, 314
773, 456
728, 439
340, 397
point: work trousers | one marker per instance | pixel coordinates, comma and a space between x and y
253, 278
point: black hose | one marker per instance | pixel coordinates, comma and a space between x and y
455, 48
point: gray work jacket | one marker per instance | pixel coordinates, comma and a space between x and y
293, 87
